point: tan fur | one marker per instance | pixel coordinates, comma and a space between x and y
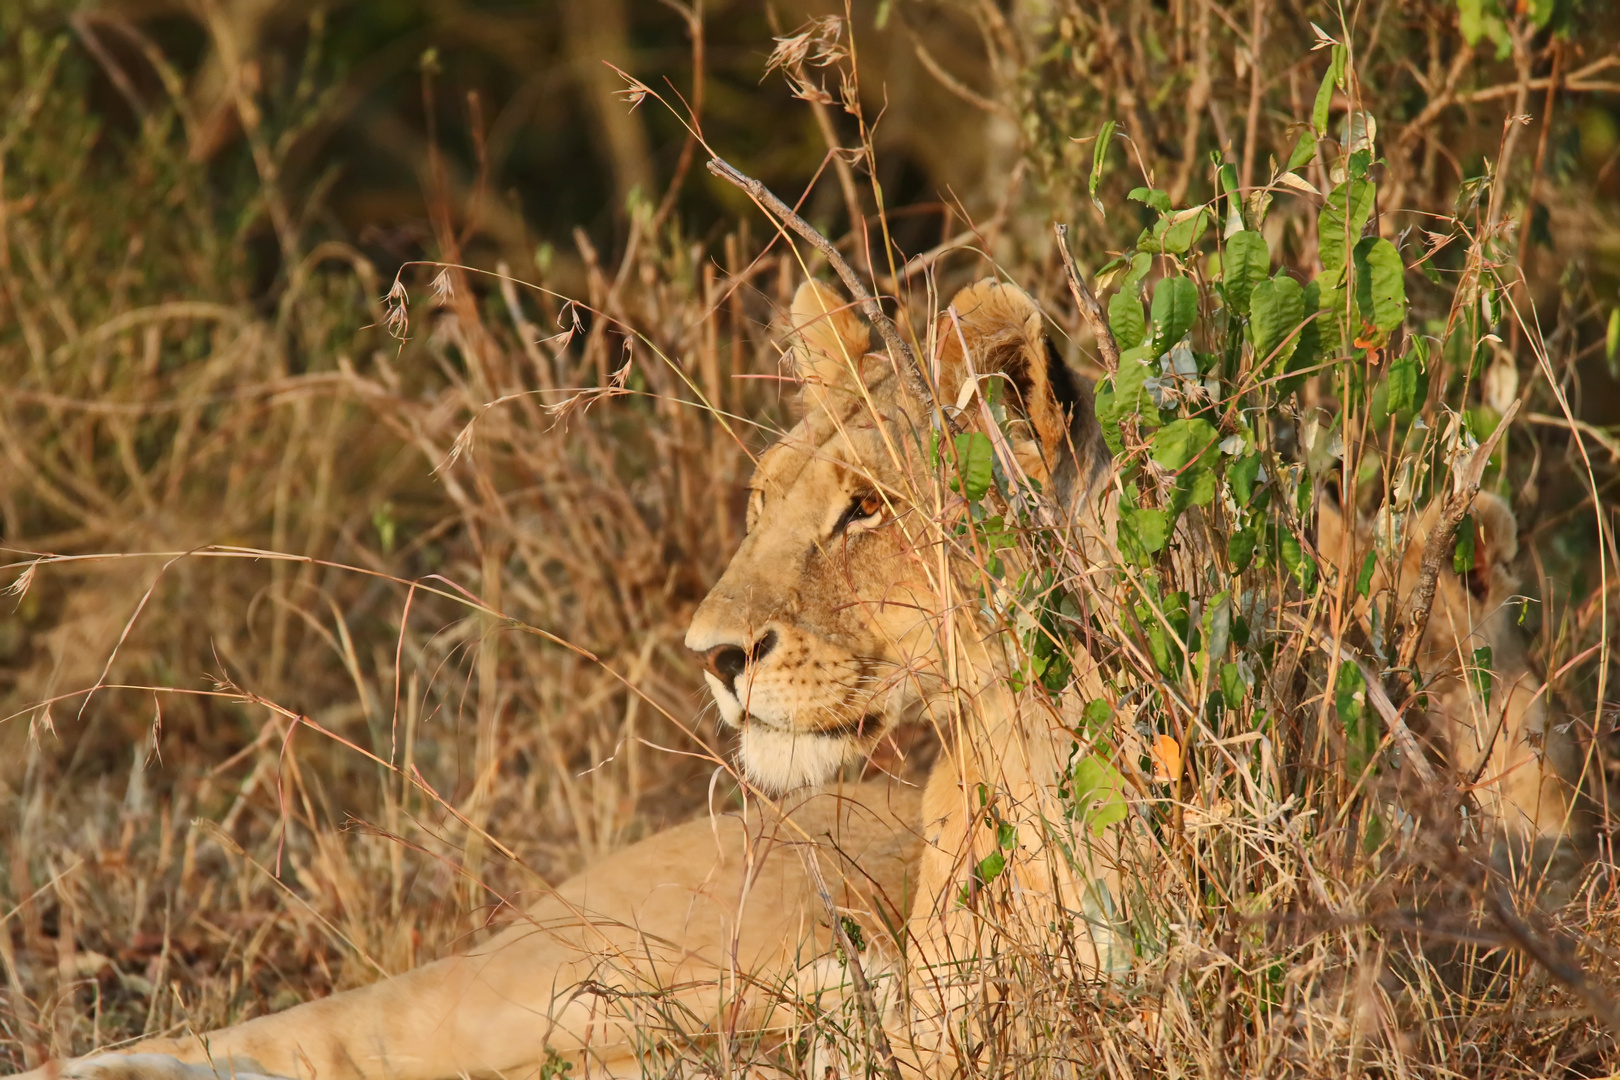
712, 914
817, 641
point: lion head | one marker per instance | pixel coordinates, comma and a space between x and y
824, 630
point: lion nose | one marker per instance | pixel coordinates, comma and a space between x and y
726, 662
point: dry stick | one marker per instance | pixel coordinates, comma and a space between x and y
1086, 301
871, 1018
694, 29
905, 361
1438, 547
1251, 130
1567, 971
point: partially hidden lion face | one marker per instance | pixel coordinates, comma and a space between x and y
823, 631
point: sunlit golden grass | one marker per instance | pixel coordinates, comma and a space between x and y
339, 629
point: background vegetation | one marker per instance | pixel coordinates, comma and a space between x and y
282, 469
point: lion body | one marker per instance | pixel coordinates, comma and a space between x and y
832, 624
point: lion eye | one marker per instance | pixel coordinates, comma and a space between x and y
865, 511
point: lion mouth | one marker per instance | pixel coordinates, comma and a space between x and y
858, 729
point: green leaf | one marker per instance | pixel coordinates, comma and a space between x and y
1364, 579
1380, 284
1150, 197
1181, 441
1402, 381
1175, 306
1240, 548
1183, 447
1304, 150
1245, 262
1243, 474
1360, 732
1233, 686
1228, 183
1324, 93
1611, 339
1096, 714
1276, 307
990, 867
1099, 158
1320, 335
975, 459
1480, 673
1099, 793
1130, 394
1295, 561
1216, 625
1108, 417
1175, 233
1462, 558
1198, 484
1483, 19
1129, 294
1343, 216
1167, 632
1125, 318
1006, 836
1141, 534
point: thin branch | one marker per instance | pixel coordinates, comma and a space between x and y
693, 17
1567, 971
1251, 128
1438, 546
905, 360
1578, 80
1581, 427
955, 85
871, 1016
1086, 301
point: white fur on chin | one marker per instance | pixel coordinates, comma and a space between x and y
780, 761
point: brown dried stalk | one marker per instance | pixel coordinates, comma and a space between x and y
1086, 301
1566, 969
1438, 546
905, 360
871, 1016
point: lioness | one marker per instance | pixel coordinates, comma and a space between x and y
841, 615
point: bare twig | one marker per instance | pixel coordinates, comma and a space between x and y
1251, 128
1597, 434
1398, 729
905, 360
871, 1015
955, 85
1566, 971
82, 26
1086, 301
1438, 546
1197, 104
693, 16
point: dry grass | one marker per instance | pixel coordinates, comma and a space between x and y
392, 634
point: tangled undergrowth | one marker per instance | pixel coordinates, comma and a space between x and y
383, 613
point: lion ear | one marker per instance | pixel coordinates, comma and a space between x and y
829, 340
997, 331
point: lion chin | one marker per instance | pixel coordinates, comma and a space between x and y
780, 761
